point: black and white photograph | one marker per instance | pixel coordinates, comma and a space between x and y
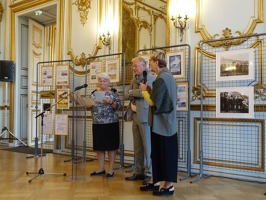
62, 75
182, 96
147, 57
95, 69
235, 102
112, 69
235, 65
47, 76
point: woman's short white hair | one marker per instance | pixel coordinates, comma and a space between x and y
104, 76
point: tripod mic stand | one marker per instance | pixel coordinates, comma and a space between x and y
5, 129
41, 170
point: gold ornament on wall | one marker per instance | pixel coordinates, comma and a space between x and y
260, 91
83, 8
1, 11
227, 33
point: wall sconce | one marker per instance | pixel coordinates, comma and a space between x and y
106, 40
181, 24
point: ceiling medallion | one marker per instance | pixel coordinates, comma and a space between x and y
1, 11
227, 34
83, 8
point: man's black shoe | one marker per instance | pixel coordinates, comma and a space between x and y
149, 187
146, 180
135, 177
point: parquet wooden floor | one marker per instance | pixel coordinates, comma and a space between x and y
78, 185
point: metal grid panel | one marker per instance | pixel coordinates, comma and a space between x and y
231, 144
49, 139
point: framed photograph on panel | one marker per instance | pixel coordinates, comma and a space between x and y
95, 69
47, 124
62, 75
146, 57
47, 75
112, 69
61, 124
182, 96
176, 63
235, 102
235, 65
62, 98
34, 97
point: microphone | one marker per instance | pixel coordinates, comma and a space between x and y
80, 87
144, 77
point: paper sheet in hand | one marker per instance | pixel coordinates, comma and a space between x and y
99, 96
88, 102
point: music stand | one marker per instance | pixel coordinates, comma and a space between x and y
83, 102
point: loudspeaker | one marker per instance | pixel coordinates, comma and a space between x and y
7, 68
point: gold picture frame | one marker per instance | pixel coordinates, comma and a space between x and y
62, 98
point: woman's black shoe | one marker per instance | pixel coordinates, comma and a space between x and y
110, 175
149, 187
98, 173
165, 191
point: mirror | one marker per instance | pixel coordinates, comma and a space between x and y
144, 25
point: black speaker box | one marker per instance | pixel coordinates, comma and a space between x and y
7, 70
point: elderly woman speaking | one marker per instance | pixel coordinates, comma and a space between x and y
105, 126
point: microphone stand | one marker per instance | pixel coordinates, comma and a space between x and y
41, 170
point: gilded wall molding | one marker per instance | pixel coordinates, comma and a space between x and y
227, 32
82, 59
83, 8
1, 11
235, 162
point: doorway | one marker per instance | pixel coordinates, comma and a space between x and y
34, 24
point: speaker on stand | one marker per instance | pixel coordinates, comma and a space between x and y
7, 71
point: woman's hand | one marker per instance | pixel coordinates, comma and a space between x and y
107, 100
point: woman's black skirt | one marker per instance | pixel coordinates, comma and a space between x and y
105, 136
164, 157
